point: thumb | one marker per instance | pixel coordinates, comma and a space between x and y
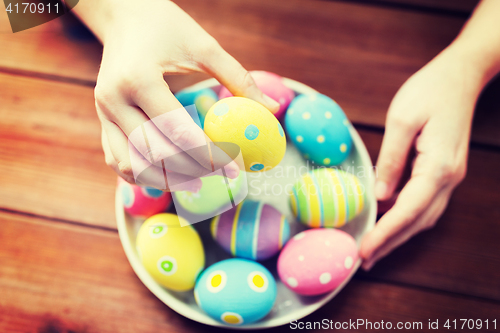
398, 139
229, 72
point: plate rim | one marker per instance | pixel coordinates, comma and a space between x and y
185, 310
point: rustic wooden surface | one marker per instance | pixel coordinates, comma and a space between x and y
443, 6
62, 268
295, 38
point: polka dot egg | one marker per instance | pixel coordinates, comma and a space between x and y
173, 255
236, 291
252, 127
319, 129
317, 261
272, 85
214, 196
143, 201
252, 230
327, 197
202, 99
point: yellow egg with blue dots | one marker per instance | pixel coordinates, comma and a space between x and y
172, 255
252, 127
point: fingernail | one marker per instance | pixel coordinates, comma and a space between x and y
233, 173
273, 105
194, 188
381, 190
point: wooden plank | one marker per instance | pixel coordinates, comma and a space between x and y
50, 51
486, 125
51, 164
56, 277
360, 60
453, 6
47, 50
359, 55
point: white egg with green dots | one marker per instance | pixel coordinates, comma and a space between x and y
319, 129
236, 291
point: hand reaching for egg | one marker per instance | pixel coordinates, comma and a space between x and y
141, 44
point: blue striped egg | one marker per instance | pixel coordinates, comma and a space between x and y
252, 230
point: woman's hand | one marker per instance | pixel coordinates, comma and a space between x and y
432, 113
144, 40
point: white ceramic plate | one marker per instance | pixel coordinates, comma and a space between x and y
289, 306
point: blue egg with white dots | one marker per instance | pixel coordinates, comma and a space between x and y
202, 99
236, 291
280, 130
319, 129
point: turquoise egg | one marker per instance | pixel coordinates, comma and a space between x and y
319, 129
236, 291
202, 99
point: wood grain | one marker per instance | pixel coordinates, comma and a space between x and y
60, 278
453, 6
360, 60
52, 163
66, 271
47, 50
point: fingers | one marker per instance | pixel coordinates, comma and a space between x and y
415, 198
110, 159
424, 222
119, 155
398, 139
170, 118
148, 139
229, 72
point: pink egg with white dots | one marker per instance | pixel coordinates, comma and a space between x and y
143, 201
272, 85
317, 261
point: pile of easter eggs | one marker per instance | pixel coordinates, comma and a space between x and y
240, 290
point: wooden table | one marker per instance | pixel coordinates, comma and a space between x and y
62, 267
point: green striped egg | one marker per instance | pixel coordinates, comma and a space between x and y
327, 198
